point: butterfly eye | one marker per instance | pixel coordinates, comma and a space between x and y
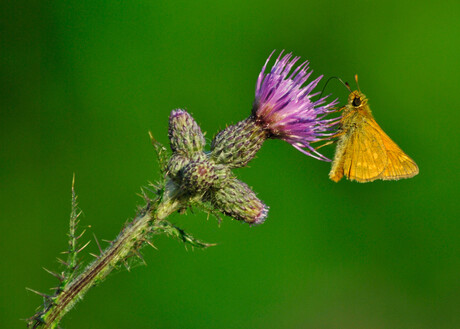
356, 101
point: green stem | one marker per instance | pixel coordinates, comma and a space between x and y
127, 242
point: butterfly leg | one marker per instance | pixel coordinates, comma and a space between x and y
340, 133
325, 144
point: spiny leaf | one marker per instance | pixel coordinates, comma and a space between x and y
208, 208
174, 231
72, 259
161, 152
157, 189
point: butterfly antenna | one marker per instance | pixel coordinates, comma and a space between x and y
356, 79
344, 83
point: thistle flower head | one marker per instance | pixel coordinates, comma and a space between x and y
284, 108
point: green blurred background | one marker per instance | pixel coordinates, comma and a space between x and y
84, 81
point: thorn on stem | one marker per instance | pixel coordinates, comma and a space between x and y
56, 275
81, 234
48, 297
151, 244
126, 266
139, 255
63, 262
152, 139
79, 250
97, 242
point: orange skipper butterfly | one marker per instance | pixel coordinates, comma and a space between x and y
364, 151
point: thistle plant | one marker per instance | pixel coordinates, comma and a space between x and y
191, 176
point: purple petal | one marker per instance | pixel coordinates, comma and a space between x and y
283, 106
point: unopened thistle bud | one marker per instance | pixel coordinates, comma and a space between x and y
185, 135
236, 145
237, 200
200, 176
189, 167
175, 165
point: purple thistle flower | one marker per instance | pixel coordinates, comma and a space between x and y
284, 109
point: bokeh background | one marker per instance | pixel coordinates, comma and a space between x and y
82, 82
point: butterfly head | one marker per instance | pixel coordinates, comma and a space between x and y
357, 99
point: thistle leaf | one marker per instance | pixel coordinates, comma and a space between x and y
72, 259
166, 227
161, 153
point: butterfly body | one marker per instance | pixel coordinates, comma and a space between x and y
364, 151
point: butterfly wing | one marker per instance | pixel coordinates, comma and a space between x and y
365, 158
399, 165
360, 154
336, 172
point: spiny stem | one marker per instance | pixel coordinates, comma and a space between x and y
125, 244
169, 197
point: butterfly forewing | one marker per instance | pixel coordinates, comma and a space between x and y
365, 157
400, 165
